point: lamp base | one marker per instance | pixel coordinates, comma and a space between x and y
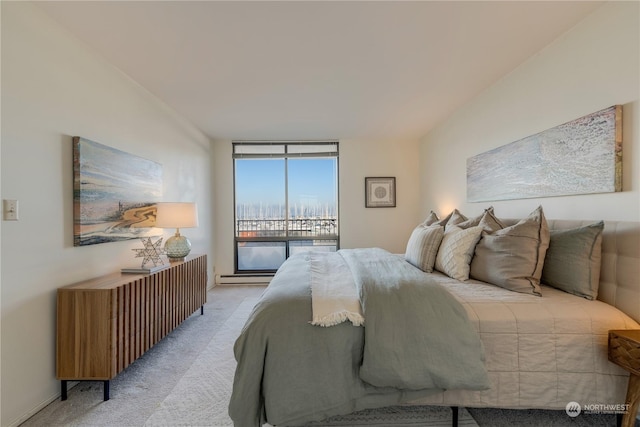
177, 247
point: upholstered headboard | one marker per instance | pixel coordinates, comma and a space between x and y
620, 270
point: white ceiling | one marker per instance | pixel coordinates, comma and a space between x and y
315, 70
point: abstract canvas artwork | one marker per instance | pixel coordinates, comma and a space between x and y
583, 156
114, 194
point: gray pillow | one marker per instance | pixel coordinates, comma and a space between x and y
431, 219
456, 217
444, 220
513, 257
423, 245
572, 263
489, 222
484, 219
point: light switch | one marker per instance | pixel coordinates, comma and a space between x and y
10, 210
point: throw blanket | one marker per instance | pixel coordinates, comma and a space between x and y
290, 372
333, 291
417, 334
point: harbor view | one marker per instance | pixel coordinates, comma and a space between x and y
264, 220
284, 206
307, 228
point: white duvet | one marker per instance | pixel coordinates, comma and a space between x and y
541, 352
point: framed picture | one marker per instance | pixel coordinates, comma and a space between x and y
114, 194
380, 192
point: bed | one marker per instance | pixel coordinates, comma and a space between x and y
537, 351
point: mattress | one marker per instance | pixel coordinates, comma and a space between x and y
541, 352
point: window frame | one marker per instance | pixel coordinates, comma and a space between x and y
285, 154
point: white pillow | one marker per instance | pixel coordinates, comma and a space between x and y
423, 246
456, 250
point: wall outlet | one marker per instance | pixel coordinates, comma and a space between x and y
10, 210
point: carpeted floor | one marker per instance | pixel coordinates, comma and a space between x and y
186, 379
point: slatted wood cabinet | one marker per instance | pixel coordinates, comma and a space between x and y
106, 323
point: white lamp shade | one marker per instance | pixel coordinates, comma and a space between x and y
176, 215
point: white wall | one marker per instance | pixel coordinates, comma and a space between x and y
223, 208
388, 228
54, 87
593, 66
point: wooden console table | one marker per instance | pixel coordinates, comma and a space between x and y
105, 324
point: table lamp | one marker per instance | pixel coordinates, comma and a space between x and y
177, 215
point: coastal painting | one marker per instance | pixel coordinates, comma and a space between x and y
114, 194
583, 156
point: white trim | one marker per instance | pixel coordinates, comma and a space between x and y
243, 279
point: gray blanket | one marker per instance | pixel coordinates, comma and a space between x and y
417, 335
417, 340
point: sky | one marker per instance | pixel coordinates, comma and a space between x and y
261, 180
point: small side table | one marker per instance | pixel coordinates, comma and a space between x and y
624, 351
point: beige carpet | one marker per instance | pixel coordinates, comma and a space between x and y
186, 379
201, 397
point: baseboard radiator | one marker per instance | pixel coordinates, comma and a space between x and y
243, 279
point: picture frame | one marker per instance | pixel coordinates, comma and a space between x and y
114, 194
380, 192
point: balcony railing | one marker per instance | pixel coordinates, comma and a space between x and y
298, 227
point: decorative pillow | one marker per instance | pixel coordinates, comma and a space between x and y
489, 222
431, 218
444, 220
422, 246
456, 217
572, 263
472, 222
456, 250
513, 257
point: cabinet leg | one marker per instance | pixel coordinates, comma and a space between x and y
106, 390
63, 389
454, 410
201, 310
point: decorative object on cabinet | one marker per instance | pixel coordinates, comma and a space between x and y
583, 156
105, 324
114, 194
177, 215
151, 252
380, 192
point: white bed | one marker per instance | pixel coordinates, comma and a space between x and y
540, 352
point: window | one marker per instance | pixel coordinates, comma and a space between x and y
286, 201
